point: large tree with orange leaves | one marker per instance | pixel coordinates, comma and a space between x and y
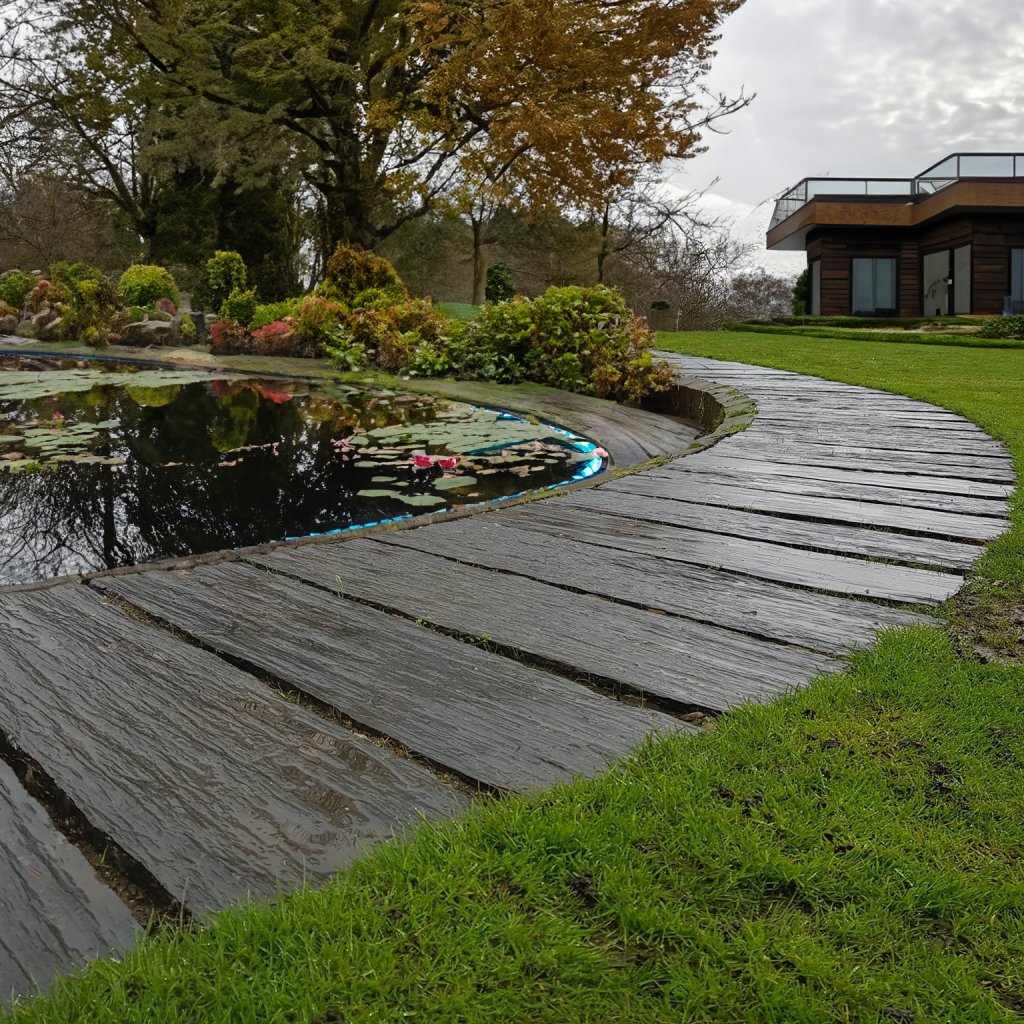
391, 103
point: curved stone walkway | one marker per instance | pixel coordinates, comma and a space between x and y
502, 652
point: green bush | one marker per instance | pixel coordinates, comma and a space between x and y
346, 352
587, 340
317, 320
500, 285
1009, 327
15, 287
225, 272
187, 330
270, 312
88, 298
378, 298
352, 271
142, 284
576, 339
239, 306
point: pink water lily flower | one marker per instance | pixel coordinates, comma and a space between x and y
58, 416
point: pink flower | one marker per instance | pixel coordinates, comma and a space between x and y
449, 462
58, 416
422, 461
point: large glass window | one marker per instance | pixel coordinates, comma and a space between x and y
874, 287
1017, 275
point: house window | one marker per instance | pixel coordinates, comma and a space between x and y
1017, 275
874, 287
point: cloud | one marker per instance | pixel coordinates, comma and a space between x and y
880, 88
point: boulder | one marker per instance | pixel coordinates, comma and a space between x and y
48, 327
42, 320
149, 332
8, 324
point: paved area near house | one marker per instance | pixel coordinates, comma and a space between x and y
239, 726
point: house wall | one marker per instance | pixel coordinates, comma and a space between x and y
991, 236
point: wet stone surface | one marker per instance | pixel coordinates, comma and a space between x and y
106, 464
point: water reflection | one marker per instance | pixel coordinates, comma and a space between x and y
183, 468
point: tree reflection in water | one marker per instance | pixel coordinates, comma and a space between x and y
218, 464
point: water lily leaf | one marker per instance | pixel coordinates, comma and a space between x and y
448, 483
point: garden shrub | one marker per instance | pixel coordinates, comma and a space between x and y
38, 294
352, 271
1008, 327
225, 272
87, 296
187, 330
577, 339
317, 320
142, 284
273, 339
240, 306
228, 337
15, 288
6, 309
500, 286
378, 298
346, 352
418, 315
430, 360
272, 312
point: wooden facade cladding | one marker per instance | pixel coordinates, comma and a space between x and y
991, 236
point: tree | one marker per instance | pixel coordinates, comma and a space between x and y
760, 295
385, 101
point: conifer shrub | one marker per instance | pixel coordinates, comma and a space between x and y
225, 272
500, 286
143, 284
239, 306
352, 271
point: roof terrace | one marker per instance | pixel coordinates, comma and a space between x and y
954, 168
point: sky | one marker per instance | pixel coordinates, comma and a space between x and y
858, 88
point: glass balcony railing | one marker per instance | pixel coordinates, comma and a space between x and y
939, 176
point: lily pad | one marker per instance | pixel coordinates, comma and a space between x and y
449, 483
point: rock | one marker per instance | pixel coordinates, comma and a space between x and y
49, 328
202, 332
43, 319
8, 324
149, 332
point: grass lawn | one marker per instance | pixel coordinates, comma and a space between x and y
459, 310
851, 853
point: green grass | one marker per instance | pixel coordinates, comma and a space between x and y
458, 310
852, 853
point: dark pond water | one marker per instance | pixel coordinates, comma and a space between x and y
111, 464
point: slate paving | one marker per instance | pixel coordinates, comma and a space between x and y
244, 725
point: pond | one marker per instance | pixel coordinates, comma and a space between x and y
106, 464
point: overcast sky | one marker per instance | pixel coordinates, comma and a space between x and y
860, 88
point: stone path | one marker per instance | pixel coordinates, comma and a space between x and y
238, 726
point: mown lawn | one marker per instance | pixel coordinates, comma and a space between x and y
851, 853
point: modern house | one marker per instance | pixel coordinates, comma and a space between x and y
950, 241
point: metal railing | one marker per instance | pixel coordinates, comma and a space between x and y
939, 176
